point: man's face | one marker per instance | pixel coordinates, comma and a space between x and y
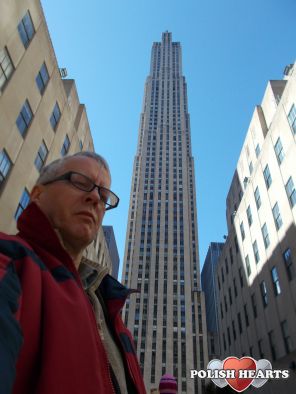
76, 215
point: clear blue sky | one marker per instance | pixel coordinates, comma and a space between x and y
231, 48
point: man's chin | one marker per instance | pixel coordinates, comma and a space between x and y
84, 238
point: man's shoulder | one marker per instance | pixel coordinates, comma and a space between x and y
14, 246
13, 239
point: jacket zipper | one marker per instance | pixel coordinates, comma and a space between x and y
99, 339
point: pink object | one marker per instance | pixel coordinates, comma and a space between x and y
168, 384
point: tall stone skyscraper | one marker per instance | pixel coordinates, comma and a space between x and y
161, 255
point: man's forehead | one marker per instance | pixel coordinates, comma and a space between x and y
86, 165
79, 162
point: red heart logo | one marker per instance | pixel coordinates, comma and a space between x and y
245, 363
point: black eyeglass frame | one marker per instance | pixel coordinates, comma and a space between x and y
67, 177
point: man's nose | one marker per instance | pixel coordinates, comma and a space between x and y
93, 196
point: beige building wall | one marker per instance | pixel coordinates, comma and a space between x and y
248, 325
21, 86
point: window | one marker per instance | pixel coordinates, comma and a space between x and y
233, 330
239, 320
41, 156
248, 265
24, 119
226, 266
292, 118
251, 167
24, 201
236, 249
257, 198
287, 255
246, 315
241, 278
55, 116
26, 29
286, 336
228, 334
263, 290
42, 78
277, 216
291, 193
256, 252
257, 150
80, 144
230, 295
272, 344
267, 176
265, 235
260, 348
279, 151
225, 304
5, 166
254, 304
242, 230
66, 146
235, 287
275, 281
249, 215
6, 67
224, 341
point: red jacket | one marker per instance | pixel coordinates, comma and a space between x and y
49, 341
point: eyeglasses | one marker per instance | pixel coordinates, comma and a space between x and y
84, 183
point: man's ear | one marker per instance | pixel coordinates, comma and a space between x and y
36, 193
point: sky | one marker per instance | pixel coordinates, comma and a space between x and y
231, 48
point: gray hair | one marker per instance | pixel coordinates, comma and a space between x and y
50, 171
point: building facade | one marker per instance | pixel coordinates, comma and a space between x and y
209, 287
112, 248
161, 260
41, 118
256, 273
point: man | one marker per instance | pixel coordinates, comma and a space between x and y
54, 337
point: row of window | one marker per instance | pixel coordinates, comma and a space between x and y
291, 194
26, 32
290, 269
6, 68
271, 339
280, 155
263, 288
25, 118
6, 163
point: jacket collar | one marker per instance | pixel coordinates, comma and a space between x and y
35, 228
94, 276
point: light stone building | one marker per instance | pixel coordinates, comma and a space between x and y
41, 118
256, 273
167, 317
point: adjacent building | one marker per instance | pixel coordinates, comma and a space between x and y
256, 273
210, 289
41, 118
167, 316
112, 248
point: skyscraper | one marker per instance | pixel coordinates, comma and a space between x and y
161, 256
